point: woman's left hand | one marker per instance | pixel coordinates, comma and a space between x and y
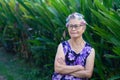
61, 61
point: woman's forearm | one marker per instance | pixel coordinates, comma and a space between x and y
82, 74
61, 67
65, 69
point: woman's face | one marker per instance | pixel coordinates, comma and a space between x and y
76, 28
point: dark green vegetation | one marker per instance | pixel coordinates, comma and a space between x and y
32, 29
13, 68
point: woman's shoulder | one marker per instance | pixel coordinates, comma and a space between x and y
89, 45
64, 42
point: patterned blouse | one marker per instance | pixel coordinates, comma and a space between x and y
71, 58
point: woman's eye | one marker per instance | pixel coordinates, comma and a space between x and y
71, 26
75, 26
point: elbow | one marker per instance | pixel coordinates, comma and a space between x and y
89, 75
58, 69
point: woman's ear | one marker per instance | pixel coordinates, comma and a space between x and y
84, 28
64, 34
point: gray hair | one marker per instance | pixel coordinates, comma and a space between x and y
74, 15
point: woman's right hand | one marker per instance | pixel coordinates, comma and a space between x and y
61, 61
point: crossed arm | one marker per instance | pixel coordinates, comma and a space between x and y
76, 70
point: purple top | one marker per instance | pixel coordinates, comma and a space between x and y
71, 58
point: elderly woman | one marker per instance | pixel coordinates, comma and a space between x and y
75, 57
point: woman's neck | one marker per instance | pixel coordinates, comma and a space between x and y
77, 44
77, 41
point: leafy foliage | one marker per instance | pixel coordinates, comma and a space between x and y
34, 28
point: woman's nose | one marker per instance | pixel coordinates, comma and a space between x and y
73, 28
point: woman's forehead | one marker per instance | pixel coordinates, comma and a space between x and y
75, 21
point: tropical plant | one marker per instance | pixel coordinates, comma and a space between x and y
36, 27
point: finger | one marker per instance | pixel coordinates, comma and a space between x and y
63, 61
59, 60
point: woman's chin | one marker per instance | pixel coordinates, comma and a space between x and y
74, 36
